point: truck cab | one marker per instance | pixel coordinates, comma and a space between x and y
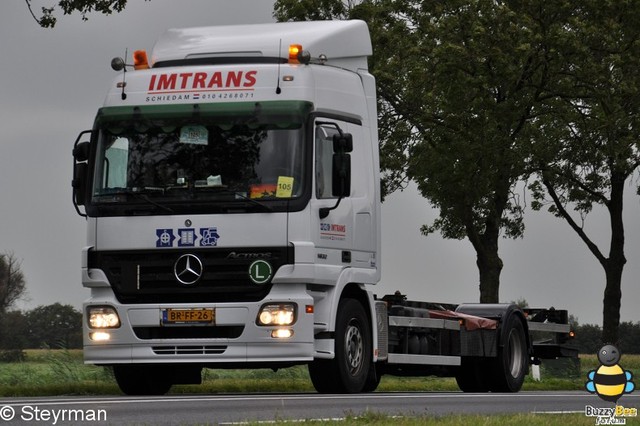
231, 190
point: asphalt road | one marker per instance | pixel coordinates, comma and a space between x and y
229, 409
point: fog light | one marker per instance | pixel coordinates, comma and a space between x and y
102, 317
282, 333
99, 336
277, 314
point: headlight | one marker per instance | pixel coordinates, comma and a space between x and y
102, 317
277, 314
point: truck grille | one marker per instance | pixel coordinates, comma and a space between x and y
195, 332
189, 350
149, 277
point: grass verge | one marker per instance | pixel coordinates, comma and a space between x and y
62, 372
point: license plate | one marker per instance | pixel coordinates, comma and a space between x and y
200, 316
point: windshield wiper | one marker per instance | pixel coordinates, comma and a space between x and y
142, 196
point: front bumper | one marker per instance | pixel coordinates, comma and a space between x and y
234, 339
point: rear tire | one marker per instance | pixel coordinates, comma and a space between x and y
512, 364
135, 379
349, 370
471, 376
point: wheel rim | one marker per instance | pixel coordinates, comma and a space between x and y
354, 348
515, 353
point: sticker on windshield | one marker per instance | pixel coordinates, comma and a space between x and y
263, 190
285, 187
195, 135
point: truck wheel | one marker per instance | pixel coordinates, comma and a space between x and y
348, 371
373, 379
141, 379
512, 364
471, 376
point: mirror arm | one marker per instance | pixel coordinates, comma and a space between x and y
324, 211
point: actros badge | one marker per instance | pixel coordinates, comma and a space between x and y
188, 269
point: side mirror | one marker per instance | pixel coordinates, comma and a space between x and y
342, 144
341, 170
341, 175
79, 183
81, 152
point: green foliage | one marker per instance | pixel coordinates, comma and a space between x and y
460, 88
12, 283
52, 326
592, 140
12, 355
475, 96
588, 338
55, 326
312, 10
84, 7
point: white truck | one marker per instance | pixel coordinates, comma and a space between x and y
231, 190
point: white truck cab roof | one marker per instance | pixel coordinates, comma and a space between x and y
346, 44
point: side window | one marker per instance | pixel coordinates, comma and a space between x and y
324, 160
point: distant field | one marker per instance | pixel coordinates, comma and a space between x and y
62, 372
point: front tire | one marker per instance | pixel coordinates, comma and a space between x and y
135, 379
349, 370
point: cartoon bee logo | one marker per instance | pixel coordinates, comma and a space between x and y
609, 381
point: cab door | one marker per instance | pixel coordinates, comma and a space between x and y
342, 227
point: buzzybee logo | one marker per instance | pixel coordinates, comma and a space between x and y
610, 381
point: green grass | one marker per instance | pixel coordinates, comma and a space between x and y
62, 372
372, 418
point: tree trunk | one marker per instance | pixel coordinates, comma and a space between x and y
486, 246
489, 268
614, 264
611, 304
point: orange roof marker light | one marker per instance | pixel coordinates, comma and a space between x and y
297, 55
140, 61
294, 50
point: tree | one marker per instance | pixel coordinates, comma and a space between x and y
593, 145
588, 338
12, 283
14, 333
84, 7
54, 326
629, 337
460, 87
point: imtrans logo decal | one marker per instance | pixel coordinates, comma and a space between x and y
201, 85
610, 381
187, 237
333, 231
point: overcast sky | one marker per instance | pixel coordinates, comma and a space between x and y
53, 81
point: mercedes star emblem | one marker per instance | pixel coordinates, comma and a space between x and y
188, 269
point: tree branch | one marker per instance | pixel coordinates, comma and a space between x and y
31, 11
565, 214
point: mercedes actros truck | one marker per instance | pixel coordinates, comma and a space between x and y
231, 190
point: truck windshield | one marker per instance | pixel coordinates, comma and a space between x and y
200, 157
